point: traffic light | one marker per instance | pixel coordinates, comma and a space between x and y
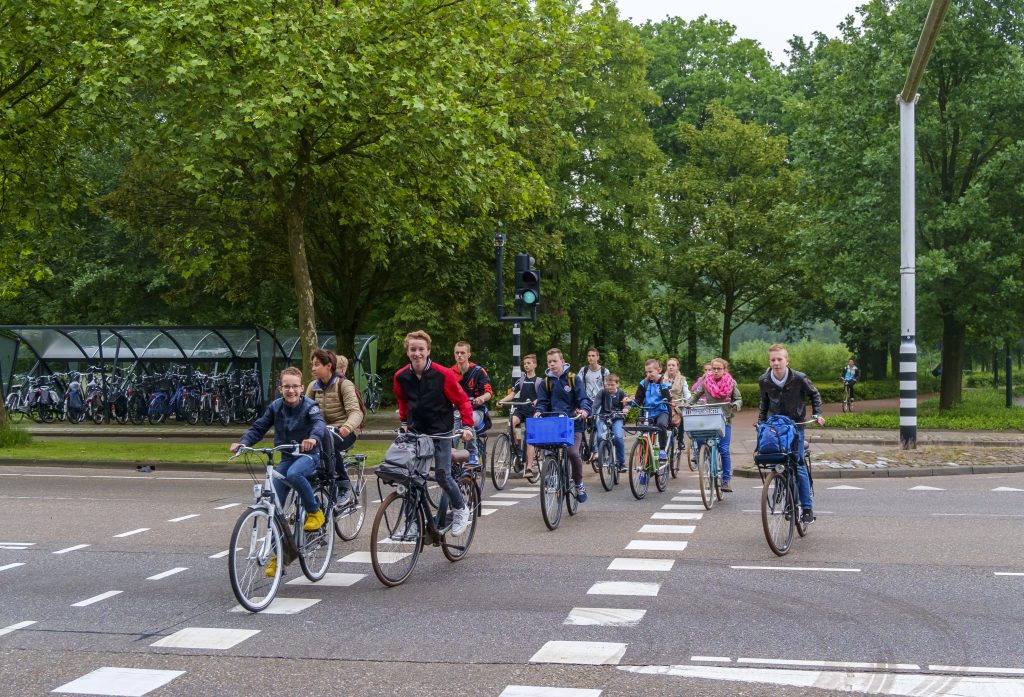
527, 280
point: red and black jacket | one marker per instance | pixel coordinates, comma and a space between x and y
427, 403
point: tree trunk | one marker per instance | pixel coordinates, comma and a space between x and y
727, 313
295, 205
954, 335
691, 348
574, 344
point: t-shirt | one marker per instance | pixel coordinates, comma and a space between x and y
593, 380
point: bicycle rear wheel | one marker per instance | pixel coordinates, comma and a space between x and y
691, 453
674, 457
606, 461
13, 406
550, 491
572, 502
456, 547
778, 512
717, 479
395, 539
639, 455
501, 460
704, 475
661, 475
255, 541
316, 548
348, 521
801, 527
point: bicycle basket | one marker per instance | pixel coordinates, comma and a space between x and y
705, 421
550, 430
411, 453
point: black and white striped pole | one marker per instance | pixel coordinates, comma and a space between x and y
516, 352
907, 100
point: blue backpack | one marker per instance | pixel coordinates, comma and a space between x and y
775, 438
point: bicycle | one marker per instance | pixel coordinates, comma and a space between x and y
407, 520
551, 436
15, 402
372, 394
847, 396
588, 449
643, 456
480, 439
271, 531
349, 516
706, 426
508, 454
608, 466
781, 508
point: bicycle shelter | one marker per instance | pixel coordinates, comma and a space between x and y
44, 349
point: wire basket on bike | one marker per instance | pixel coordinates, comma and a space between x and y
704, 421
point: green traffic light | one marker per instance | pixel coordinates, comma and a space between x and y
529, 297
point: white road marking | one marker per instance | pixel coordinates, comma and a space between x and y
283, 606
830, 664
683, 507
1006, 488
1008, 573
711, 659
976, 669
591, 653
206, 638
132, 532
512, 495
657, 545
123, 682
488, 511
540, 691
184, 517
169, 572
691, 499
925, 488
631, 588
604, 617
71, 549
845, 487
915, 684
229, 505
332, 580
15, 565
634, 564
15, 627
691, 492
96, 598
980, 515
16, 546
492, 502
793, 568
669, 529
221, 555
533, 488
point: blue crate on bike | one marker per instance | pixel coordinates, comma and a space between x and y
550, 430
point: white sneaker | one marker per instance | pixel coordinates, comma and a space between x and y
460, 520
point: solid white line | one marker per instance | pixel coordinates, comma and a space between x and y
96, 598
15, 627
184, 517
976, 669
165, 574
12, 566
1008, 573
792, 568
711, 659
981, 515
544, 691
132, 532
830, 664
71, 549
230, 505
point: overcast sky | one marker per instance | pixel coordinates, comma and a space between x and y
771, 22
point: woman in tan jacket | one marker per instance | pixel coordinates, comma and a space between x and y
339, 404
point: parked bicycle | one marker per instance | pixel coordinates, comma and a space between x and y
270, 532
371, 397
705, 425
781, 508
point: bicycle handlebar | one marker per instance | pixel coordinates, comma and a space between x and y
294, 447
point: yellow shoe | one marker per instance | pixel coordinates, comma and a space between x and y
314, 521
271, 568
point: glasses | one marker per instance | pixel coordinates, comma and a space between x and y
291, 387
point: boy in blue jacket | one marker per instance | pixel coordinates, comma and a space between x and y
562, 393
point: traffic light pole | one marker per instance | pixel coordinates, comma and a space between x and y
517, 319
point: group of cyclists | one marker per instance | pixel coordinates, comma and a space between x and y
325, 418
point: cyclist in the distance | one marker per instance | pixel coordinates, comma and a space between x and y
850, 374
785, 391
477, 384
525, 390
339, 405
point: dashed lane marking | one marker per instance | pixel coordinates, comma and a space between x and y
16, 626
591, 653
710, 659
1006, 488
668, 529
184, 517
604, 617
794, 568
96, 598
541, 691
132, 532
14, 565
169, 572
283, 606
333, 580
364, 557
221, 555
124, 682
631, 588
830, 664
492, 502
690, 499
71, 549
16, 546
635, 564
205, 638
226, 506
657, 545
1008, 573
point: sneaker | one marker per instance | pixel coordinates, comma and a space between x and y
473, 461
405, 534
727, 486
345, 499
581, 493
314, 521
808, 517
460, 520
271, 568
622, 468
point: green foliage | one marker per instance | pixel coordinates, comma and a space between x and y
979, 410
13, 435
820, 361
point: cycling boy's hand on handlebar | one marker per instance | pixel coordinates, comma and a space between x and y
307, 445
234, 447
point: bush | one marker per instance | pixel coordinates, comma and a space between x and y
13, 435
820, 361
983, 410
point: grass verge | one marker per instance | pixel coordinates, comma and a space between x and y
980, 410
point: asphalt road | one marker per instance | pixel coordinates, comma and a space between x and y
903, 586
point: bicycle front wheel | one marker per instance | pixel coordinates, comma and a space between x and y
395, 539
316, 547
456, 547
705, 475
550, 491
348, 521
606, 461
572, 502
639, 479
255, 543
501, 460
14, 412
674, 457
778, 512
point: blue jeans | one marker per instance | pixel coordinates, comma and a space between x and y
723, 449
618, 438
803, 482
296, 470
443, 473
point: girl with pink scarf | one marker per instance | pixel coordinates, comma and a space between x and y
720, 388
